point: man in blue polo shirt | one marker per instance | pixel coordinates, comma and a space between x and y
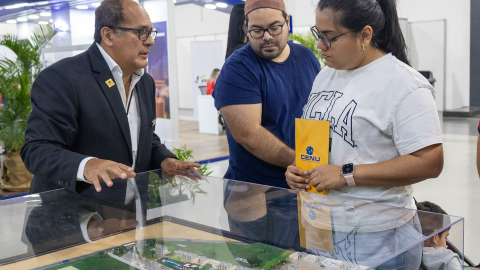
260, 91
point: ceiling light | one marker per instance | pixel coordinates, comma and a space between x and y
17, 6
11, 21
96, 4
42, 22
33, 17
51, 20
210, 6
39, 3
221, 5
22, 19
82, 7
45, 14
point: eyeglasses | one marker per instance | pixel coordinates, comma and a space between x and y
325, 39
272, 30
142, 32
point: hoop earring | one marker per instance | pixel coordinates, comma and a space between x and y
363, 46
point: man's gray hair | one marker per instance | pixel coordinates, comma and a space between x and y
108, 14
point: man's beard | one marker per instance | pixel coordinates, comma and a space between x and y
269, 55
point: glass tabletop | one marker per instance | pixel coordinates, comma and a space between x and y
175, 220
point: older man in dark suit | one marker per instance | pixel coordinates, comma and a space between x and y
93, 115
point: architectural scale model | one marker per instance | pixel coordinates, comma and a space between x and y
186, 254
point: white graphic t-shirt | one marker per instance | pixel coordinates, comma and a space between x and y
378, 112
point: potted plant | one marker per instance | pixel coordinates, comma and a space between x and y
307, 40
16, 80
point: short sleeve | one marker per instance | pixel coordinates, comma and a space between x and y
415, 122
238, 83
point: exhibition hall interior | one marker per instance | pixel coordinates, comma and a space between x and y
229, 149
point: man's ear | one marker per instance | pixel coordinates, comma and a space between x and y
107, 36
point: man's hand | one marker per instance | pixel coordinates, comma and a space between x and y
96, 229
327, 176
296, 178
101, 169
172, 164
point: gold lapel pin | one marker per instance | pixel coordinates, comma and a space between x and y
110, 83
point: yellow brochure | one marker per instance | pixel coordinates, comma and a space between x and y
312, 138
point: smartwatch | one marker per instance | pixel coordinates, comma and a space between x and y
347, 172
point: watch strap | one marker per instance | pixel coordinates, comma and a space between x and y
350, 180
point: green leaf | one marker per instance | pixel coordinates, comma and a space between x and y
307, 40
16, 81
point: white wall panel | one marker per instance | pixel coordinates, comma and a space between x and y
457, 85
184, 72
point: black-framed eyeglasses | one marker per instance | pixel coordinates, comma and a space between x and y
325, 39
142, 32
272, 30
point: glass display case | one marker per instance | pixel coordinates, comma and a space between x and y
179, 221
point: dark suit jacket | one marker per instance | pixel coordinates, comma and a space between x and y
76, 115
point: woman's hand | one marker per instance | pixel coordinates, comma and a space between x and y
326, 176
296, 178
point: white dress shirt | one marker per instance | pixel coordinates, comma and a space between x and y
130, 104
133, 114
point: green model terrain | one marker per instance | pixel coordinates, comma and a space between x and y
228, 252
95, 262
260, 255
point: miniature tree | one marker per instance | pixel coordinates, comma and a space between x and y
264, 247
171, 248
101, 254
252, 259
151, 252
150, 242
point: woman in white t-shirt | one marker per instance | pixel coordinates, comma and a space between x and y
384, 126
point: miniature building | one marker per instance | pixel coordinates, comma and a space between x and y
311, 258
202, 259
293, 257
161, 249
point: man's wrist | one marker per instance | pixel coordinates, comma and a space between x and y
81, 170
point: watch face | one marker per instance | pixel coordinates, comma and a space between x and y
347, 168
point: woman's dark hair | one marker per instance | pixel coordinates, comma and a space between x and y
381, 15
235, 28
